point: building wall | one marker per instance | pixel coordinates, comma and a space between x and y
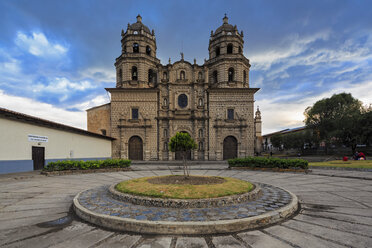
99, 119
16, 150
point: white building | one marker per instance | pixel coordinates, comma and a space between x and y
28, 143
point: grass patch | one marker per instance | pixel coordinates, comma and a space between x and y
362, 164
142, 187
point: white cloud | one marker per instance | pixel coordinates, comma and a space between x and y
38, 45
278, 116
292, 45
43, 110
63, 85
98, 100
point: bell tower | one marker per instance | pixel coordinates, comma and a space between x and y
136, 66
227, 65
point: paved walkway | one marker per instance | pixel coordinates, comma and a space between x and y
336, 211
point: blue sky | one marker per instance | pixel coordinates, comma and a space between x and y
56, 57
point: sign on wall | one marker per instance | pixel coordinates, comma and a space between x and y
37, 138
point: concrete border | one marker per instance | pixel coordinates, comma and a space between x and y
181, 203
185, 228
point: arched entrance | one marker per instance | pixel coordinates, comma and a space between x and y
135, 148
179, 154
230, 147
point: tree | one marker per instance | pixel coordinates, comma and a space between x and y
335, 119
276, 140
182, 142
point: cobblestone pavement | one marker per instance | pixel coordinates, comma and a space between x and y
100, 201
336, 211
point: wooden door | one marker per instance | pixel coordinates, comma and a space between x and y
135, 148
230, 148
38, 157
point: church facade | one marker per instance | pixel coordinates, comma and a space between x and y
151, 102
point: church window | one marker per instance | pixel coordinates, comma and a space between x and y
182, 101
215, 77
201, 133
165, 75
200, 102
134, 73
230, 114
244, 76
135, 113
201, 146
151, 76
240, 49
125, 49
165, 133
135, 48
148, 50
230, 48
182, 75
135, 32
217, 51
229, 33
200, 75
231, 74
120, 75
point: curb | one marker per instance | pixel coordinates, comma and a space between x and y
186, 228
71, 172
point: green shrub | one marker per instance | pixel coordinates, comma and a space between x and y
260, 162
87, 165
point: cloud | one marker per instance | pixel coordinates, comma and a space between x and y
98, 100
37, 44
290, 46
43, 110
63, 85
100, 74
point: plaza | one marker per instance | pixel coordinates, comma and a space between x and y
335, 210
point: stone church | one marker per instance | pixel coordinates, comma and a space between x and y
212, 102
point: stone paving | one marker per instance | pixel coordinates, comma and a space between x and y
100, 201
336, 211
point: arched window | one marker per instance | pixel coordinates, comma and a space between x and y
200, 75
231, 74
230, 48
201, 133
120, 75
134, 73
244, 76
148, 50
150, 76
217, 51
182, 75
135, 32
135, 48
125, 49
215, 77
165, 133
240, 49
165, 75
165, 102
200, 102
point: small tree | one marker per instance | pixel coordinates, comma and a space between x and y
182, 142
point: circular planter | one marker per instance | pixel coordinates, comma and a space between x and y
181, 203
